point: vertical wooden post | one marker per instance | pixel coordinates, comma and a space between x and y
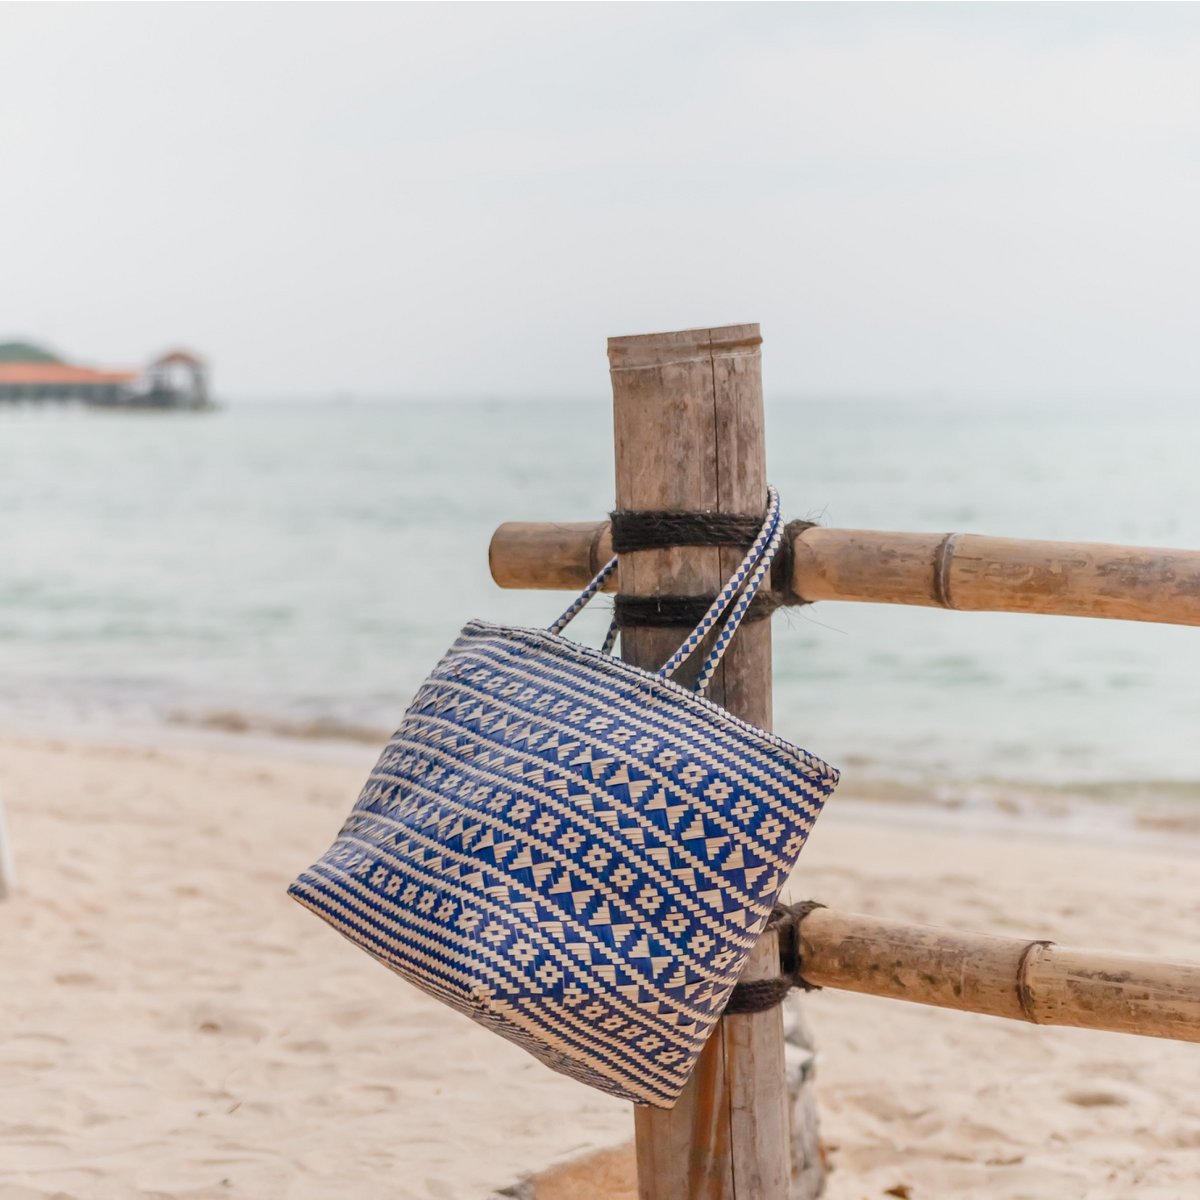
688, 417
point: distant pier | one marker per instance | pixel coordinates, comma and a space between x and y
32, 374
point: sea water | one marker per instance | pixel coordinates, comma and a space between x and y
299, 568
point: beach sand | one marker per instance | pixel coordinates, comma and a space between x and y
174, 1026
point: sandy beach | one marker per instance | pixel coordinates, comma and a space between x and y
328, 330
175, 1026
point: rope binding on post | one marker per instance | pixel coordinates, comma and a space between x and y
759, 995
653, 529
634, 530
682, 612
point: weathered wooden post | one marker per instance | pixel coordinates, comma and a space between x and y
688, 416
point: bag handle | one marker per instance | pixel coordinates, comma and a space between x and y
580, 603
747, 579
738, 592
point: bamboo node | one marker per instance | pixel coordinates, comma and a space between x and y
1029, 957
942, 562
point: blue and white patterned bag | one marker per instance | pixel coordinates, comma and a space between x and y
575, 852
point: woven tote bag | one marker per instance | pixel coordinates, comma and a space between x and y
577, 853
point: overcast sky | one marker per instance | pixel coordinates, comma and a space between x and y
460, 199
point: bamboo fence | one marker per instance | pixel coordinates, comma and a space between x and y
689, 437
963, 571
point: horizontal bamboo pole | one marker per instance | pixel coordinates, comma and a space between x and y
960, 570
1022, 980
548, 556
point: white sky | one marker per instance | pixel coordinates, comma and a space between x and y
460, 199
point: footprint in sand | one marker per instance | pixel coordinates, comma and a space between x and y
1095, 1098
75, 979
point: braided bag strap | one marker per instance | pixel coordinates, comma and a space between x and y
736, 597
746, 580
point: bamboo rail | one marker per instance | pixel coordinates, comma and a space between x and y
961, 571
689, 438
1021, 980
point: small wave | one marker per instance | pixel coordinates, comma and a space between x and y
310, 730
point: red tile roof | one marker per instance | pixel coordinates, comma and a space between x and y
58, 373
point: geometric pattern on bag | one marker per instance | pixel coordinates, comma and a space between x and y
576, 853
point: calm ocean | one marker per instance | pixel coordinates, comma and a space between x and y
302, 567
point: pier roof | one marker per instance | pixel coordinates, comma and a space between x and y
184, 357
58, 373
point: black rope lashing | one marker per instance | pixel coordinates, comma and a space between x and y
634, 530
652, 529
660, 530
756, 996
682, 612
759, 995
